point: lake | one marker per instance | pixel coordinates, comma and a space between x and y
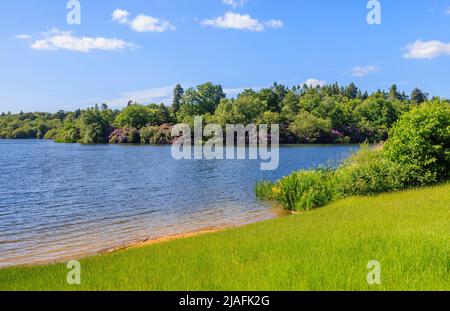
59, 201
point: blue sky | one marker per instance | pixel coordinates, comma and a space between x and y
148, 46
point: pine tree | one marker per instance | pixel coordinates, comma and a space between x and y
351, 91
393, 92
418, 96
178, 93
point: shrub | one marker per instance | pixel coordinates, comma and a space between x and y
51, 134
369, 172
24, 132
309, 128
125, 136
305, 190
136, 116
160, 135
94, 127
69, 134
421, 141
265, 190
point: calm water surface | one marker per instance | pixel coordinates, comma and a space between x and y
59, 201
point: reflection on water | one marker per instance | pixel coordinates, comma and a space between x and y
59, 201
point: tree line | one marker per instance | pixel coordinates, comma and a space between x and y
306, 114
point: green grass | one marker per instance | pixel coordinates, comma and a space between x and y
325, 249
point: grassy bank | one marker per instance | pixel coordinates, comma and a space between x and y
325, 249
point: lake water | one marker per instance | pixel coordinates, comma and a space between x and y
59, 201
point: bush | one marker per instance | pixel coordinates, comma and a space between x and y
265, 190
305, 190
309, 128
124, 136
369, 172
94, 127
300, 191
157, 135
51, 134
136, 116
421, 141
25, 132
69, 134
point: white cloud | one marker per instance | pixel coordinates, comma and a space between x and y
153, 95
362, 71
234, 3
274, 23
427, 50
120, 16
23, 37
142, 23
314, 82
240, 22
65, 40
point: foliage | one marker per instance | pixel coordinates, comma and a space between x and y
417, 153
156, 135
264, 190
301, 191
200, 100
369, 172
310, 129
421, 141
69, 134
52, 134
94, 127
125, 136
136, 116
322, 114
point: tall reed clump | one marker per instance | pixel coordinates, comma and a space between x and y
301, 191
265, 190
306, 190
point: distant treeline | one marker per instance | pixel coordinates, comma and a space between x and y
306, 114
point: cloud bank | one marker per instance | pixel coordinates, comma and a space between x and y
141, 23
241, 22
362, 71
427, 49
55, 40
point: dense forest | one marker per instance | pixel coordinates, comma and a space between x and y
322, 114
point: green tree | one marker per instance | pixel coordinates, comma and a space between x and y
310, 129
418, 96
178, 93
351, 91
94, 127
137, 116
290, 106
393, 93
421, 141
203, 99
69, 134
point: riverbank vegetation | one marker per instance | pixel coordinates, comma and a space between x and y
416, 154
325, 249
306, 114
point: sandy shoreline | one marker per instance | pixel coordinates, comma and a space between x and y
147, 242
168, 238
